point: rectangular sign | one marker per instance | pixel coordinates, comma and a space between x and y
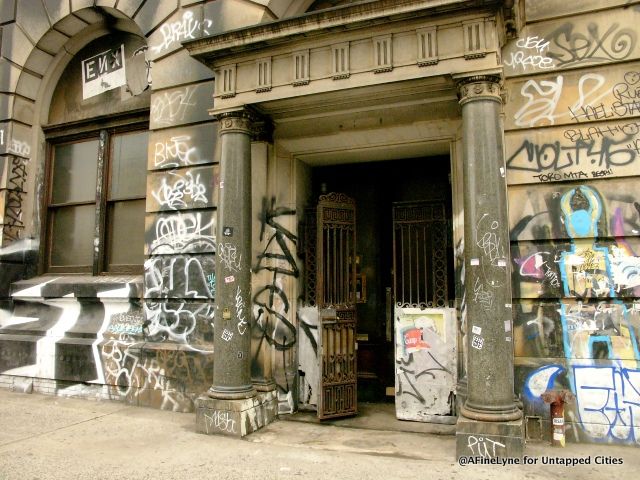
102, 72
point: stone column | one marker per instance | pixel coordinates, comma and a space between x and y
232, 405
232, 324
490, 419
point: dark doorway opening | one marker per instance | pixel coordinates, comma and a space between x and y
376, 187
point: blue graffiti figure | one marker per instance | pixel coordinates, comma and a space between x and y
599, 341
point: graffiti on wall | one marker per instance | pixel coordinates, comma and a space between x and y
579, 294
530, 53
181, 232
573, 45
575, 97
182, 105
183, 189
13, 223
164, 365
271, 306
604, 37
181, 147
188, 27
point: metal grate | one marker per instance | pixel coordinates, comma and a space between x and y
335, 250
420, 239
310, 260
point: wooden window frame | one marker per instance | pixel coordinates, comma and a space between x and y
104, 130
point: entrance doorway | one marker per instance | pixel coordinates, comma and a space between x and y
399, 259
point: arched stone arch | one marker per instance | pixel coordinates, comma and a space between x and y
39, 43
40, 37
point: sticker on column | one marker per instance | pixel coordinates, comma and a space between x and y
507, 339
507, 325
227, 335
227, 231
226, 314
476, 329
240, 354
502, 263
229, 279
221, 184
502, 171
475, 262
477, 342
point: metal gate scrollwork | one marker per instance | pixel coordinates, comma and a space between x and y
420, 241
335, 297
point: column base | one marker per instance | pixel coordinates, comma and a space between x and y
235, 418
264, 386
487, 440
234, 393
482, 413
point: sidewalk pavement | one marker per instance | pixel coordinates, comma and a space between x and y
46, 437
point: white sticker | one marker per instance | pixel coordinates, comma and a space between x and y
502, 171
507, 325
508, 339
229, 279
221, 184
558, 436
502, 263
476, 329
477, 342
558, 421
475, 261
507, 305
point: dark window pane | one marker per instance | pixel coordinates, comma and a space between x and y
129, 165
74, 172
126, 224
73, 232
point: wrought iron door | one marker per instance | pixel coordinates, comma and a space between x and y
335, 297
420, 241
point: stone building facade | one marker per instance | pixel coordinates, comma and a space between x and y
428, 202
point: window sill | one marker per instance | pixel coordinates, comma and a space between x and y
78, 286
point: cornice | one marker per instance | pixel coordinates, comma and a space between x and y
367, 14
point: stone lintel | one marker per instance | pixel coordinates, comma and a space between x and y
489, 439
235, 418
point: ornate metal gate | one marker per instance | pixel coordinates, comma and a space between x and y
335, 297
420, 241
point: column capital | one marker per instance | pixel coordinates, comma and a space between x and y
246, 120
236, 121
479, 87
